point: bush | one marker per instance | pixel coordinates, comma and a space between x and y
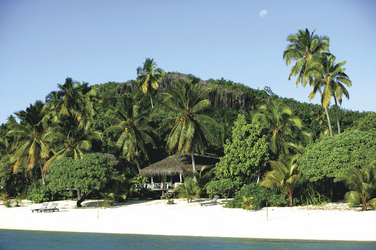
39, 194
260, 195
224, 187
7, 203
310, 196
188, 189
143, 193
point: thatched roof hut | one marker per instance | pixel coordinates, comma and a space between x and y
178, 164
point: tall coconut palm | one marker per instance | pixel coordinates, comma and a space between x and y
29, 137
284, 177
72, 98
133, 131
187, 125
329, 76
304, 47
362, 183
281, 123
148, 77
69, 138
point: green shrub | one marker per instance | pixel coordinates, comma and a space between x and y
310, 196
224, 187
170, 202
260, 195
8, 203
188, 189
144, 193
39, 194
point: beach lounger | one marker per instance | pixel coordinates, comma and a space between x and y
44, 206
211, 202
53, 208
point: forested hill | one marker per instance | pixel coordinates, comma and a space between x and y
226, 94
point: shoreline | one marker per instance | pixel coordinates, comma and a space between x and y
191, 219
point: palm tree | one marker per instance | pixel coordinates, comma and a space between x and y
362, 183
284, 177
200, 179
29, 137
281, 123
149, 77
185, 104
188, 189
133, 131
72, 98
304, 47
326, 74
69, 138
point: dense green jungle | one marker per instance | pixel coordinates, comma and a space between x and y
92, 141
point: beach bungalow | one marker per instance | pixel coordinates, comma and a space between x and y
171, 171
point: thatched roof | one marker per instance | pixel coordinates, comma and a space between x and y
178, 164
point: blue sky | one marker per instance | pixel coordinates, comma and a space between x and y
44, 42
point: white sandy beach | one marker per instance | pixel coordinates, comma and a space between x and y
330, 222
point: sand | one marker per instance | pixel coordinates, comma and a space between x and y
329, 222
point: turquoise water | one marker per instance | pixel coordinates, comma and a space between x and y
14, 239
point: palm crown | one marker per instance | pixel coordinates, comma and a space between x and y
133, 131
185, 104
303, 48
149, 77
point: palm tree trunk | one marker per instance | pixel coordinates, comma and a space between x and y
151, 100
41, 171
329, 125
193, 162
138, 166
339, 128
327, 116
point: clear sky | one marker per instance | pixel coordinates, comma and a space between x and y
44, 42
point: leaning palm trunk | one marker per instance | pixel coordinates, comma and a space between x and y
327, 116
193, 162
138, 166
290, 195
151, 100
339, 128
329, 125
41, 171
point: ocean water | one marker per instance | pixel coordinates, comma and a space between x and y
16, 239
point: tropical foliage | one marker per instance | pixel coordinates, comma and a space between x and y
333, 156
331, 77
149, 77
224, 187
90, 173
285, 129
70, 138
194, 116
184, 105
260, 195
365, 123
188, 189
362, 183
132, 131
303, 48
29, 137
284, 177
246, 154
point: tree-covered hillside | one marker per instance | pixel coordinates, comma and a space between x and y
143, 120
